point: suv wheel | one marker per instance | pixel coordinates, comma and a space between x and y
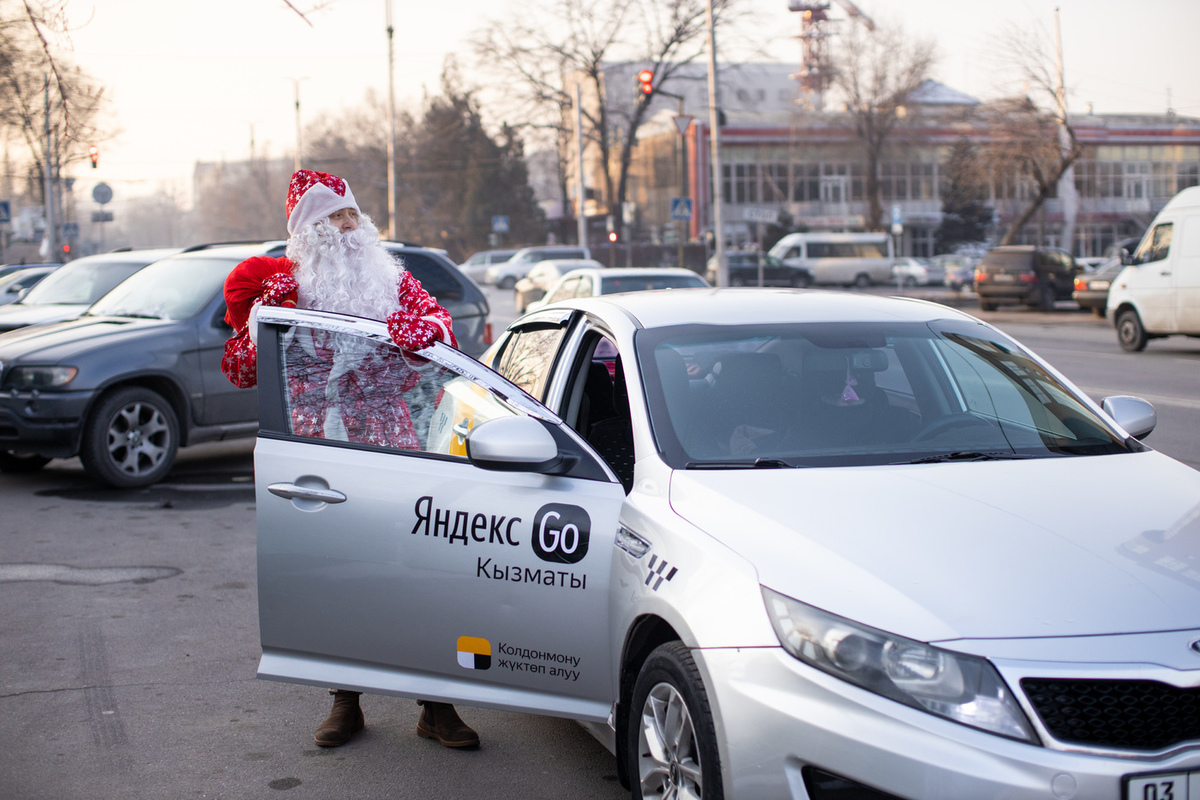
985, 305
801, 280
1130, 333
130, 439
1046, 298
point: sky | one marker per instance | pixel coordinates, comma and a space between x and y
204, 80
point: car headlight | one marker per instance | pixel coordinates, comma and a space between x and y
962, 688
39, 377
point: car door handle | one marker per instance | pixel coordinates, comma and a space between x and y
290, 491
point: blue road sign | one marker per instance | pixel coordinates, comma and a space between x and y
70, 230
499, 224
5, 212
681, 208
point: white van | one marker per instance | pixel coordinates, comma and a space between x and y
849, 259
1158, 293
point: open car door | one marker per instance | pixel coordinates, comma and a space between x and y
426, 528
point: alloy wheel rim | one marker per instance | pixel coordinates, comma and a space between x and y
138, 436
668, 755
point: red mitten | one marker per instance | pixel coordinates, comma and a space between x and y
411, 332
280, 290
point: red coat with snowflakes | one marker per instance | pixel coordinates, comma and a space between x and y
335, 395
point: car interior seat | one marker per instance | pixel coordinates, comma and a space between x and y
613, 437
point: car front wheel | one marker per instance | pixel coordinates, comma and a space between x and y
1130, 332
130, 439
672, 740
862, 281
507, 282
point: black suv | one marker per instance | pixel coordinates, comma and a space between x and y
743, 271
139, 375
1035, 276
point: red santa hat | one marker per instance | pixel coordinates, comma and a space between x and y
313, 196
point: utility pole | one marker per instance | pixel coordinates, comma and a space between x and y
391, 142
715, 144
1066, 184
51, 239
296, 161
581, 215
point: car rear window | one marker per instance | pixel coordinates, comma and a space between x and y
1007, 261
435, 278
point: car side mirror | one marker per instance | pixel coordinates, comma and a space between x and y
1126, 258
513, 444
1133, 414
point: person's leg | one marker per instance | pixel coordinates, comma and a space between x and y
441, 722
344, 720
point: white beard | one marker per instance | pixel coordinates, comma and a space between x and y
348, 273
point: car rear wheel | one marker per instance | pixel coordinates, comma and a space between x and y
16, 464
801, 280
862, 280
1130, 332
1046, 298
985, 305
130, 439
507, 282
672, 741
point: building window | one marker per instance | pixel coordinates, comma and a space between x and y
806, 183
740, 183
775, 183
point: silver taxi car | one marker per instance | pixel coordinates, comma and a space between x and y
762, 543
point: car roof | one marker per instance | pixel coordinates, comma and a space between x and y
748, 306
239, 251
125, 256
625, 272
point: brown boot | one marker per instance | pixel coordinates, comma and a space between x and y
345, 720
440, 721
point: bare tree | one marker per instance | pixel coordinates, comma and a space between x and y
877, 68
537, 59
1034, 136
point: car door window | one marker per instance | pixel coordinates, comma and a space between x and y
584, 287
529, 357
1155, 246
567, 289
343, 387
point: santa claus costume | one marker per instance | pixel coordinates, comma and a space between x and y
341, 268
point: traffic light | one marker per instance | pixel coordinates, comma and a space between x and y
612, 236
645, 80
94, 154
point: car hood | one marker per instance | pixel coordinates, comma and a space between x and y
51, 344
18, 315
969, 550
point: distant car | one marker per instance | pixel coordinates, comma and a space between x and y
13, 284
476, 266
958, 269
542, 276
1091, 289
743, 271
70, 290
909, 271
1035, 276
8, 269
139, 374
506, 274
613, 280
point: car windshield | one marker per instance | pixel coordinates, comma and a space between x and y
641, 283
857, 394
81, 282
173, 289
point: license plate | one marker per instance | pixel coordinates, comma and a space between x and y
1002, 278
1167, 786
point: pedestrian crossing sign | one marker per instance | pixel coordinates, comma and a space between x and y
681, 208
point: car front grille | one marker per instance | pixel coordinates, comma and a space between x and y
1117, 714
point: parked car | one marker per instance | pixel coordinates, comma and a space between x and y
1089, 264
844, 259
762, 544
593, 282
542, 276
1158, 293
1035, 276
506, 274
69, 291
909, 271
13, 284
139, 374
958, 269
8, 269
743, 271
1091, 289
476, 266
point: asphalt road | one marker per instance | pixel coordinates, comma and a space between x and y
129, 637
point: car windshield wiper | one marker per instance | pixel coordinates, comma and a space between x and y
760, 463
966, 455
